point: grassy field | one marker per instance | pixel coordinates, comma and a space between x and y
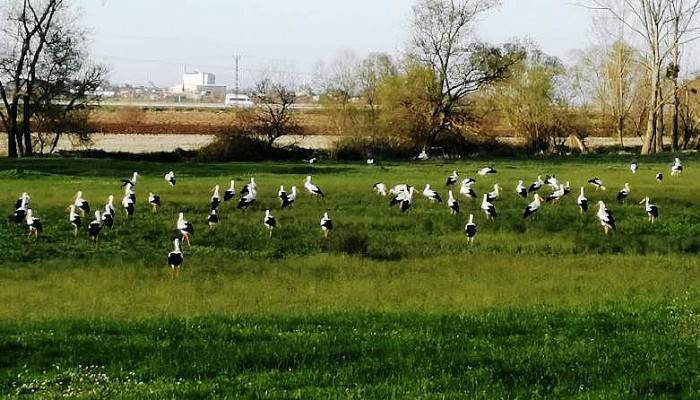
390, 306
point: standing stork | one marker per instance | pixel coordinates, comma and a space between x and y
607, 221
677, 167
248, 198
95, 227
452, 203
582, 201
288, 199
556, 195
154, 201
129, 191
175, 259
452, 179
495, 193
536, 185
186, 229
74, 220
130, 182
651, 209
380, 189
24, 198
521, 190
404, 198
533, 207
109, 207
467, 190
21, 210
597, 183
623, 193
486, 171
212, 219
326, 224
170, 178
312, 188
488, 208
230, 192
215, 199
431, 195
659, 177
269, 221
128, 205
248, 187
81, 203
33, 224
470, 229
634, 167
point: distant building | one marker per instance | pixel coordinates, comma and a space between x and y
199, 86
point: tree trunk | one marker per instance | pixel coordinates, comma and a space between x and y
660, 129
11, 143
649, 145
621, 131
26, 129
675, 135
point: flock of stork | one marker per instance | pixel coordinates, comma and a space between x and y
401, 195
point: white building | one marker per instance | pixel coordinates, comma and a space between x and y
199, 85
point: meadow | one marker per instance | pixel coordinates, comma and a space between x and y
391, 305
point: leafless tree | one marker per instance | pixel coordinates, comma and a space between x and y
443, 41
273, 116
44, 68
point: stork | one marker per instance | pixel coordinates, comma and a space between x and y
380, 189
312, 188
634, 167
556, 195
521, 190
470, 229
248, 198
659, 177
33, 224
677, 167
186, 229
607, 221
582, 201
466, 189
495, 193
154, 201
176, 259
230, 192
597, 183
431, 195
24, 198
81, 203
486, 171
623, 193
452, 179
533, 207
552, 181
128, 205
215, 199
95, 227
488, 208
536, 185
212, 219
170, 178
21, 210
404, 198
130, 182
326, 224
452, 203
248, 187
269, 221
287, 199
74, 220
651, 209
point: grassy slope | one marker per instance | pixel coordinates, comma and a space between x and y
552, 306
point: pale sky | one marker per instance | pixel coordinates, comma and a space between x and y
153, 40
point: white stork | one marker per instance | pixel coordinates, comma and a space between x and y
248, 187
402, 187
488, 208
582, 201
521, 190
556, 195
677, 167
423, 155
21, 210
154, 201
175, 259
312, 188
470, 229
623, 193
597, 183
247, 198
95, 227
170, 178
130, 182
651, 209
452, 203
533, 207
81, 203
24, 198
466, 189
486, 171
370, 161
287, 199
380, 189
212, 219
109, 207
186, 229
215, 199
431, 195
74, 220
326, 224
269, 221
634, 167
33, 224
607, 221
452, 179
128, 205
404, 198
230, 192
495, 193
536, 185
660, 177
552, 181
128, 191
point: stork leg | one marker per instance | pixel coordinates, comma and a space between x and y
270, 234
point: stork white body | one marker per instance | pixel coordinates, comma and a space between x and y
533, 207
470, 229
170, 178
230, 193
215, 200
634, 167
624, 193
651, 209
582, 201
486, 171
452, 203
95, 227
466, 188
452, 179
677, 167
74, 220
326, 224
521, 190
269, 221
597, 183
312, 188
380, 189
431, 195
607, 221
488, 208
186, 229
495, 193
176, 259
536, 185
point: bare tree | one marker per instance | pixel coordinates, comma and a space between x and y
443, 41
44, 67
273, 117
662, 26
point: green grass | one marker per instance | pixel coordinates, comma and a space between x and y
390, 306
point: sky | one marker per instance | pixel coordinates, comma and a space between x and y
154, 41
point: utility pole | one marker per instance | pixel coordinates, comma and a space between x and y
236, 58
